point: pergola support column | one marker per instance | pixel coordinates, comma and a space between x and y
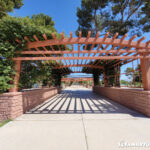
145, 67
16, 77
105, 79
117, 76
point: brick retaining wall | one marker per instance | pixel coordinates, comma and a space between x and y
15, 104
133, 98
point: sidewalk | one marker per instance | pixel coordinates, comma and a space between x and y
76, 131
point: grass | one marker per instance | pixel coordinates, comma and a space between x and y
4, 122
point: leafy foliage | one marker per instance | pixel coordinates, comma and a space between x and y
8, 6
89, 16
43, 20
134, 75
16, 28
120, 16
56, 77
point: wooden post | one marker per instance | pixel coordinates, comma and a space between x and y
17, 76
105, 80
145, 67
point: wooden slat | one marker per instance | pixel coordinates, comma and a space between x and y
44, 36
131, 39
124, 60
93, 44
147, 43
18, 41
84, 51
113, 38
35, 37
129, 43
84, 40
51, 46
121, 40
120, 47
54, 37
62, 35
108, 51
118, 50
27, 39
105, 37
75, 58
88, 36
141, 39
79, 65
80, 35
71, 35
97, 35
116, 42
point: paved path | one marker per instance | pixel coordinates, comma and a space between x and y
76, 119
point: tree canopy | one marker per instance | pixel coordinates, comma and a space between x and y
12, 28
134, 74
8, 6
120, 16
43, 20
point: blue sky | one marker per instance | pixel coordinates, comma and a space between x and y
63, 13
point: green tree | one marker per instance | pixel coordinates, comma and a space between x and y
43, 20
129, 73
135, 74
124, 82
8, 6
90, 16
120, 16
12, 28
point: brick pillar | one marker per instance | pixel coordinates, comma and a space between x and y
17, 76
145, 67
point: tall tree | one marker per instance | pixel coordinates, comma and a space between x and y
120, 16
134, 74
43, 20
90, 16
8, 6
145, 21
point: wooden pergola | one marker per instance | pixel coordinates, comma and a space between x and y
68, 80
76, 79
73, 56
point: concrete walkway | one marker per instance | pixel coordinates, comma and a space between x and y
77, 119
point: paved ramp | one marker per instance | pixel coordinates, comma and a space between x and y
76, 119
